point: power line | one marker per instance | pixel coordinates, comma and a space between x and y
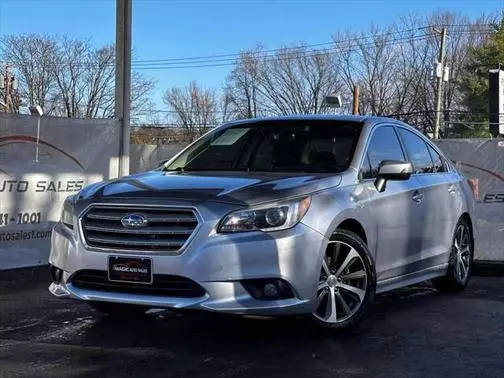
288, 56
354, 39
257, 52
276, 54
282, 57
285, 51
269, 58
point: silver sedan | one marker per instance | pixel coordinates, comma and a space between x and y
290, 215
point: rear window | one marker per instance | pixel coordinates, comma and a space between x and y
437, 160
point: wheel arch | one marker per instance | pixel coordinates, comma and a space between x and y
467, 217
354, 226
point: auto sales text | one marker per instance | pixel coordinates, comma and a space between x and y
40, 186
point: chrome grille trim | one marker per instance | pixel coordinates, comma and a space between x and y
169, 230
168, 219
136, 242
142, 231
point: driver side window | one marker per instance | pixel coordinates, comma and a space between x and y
384, 145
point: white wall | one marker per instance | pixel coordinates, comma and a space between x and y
71, 154
144, 157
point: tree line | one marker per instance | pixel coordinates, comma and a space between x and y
68, 77
394, 67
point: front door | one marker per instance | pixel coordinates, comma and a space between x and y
397, 212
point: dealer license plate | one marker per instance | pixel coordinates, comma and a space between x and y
130, 269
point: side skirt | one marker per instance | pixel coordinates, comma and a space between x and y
411, 278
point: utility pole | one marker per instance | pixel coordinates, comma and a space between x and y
496, 101
355, 105
440, 73
123, 80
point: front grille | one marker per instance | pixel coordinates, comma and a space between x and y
162, 285
167, 229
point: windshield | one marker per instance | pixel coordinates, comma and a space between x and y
307, 146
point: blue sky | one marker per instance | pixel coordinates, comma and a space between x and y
172, 29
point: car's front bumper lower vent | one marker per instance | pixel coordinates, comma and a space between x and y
142, 229
162, 285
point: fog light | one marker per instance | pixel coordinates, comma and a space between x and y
270, 290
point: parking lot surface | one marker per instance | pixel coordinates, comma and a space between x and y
413, 332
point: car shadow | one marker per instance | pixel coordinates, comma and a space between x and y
166, 328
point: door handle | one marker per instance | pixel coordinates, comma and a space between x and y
452, 189
417, 196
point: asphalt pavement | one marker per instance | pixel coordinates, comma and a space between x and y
412, 332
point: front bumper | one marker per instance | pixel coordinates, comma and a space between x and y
217, 262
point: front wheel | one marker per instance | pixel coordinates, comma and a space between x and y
461, 259
347, 282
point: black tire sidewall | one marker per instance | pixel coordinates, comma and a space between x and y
361, 248
450, 282
457, 283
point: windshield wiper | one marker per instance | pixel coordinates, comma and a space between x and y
178, 169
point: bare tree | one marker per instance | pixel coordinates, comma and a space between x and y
241, 92
460, 43
394, 65
142, 89
292, 81
385, 70
86, 79
100, 79
296, 81
193, 108
69, 69
32, 57
70, 78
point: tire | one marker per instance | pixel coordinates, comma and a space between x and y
347, 282
120, 310
461, 260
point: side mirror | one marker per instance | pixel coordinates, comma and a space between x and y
392, 170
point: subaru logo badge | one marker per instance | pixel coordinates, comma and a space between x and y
134, 221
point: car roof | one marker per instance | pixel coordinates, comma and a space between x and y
370, 120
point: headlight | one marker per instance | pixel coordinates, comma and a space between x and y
271, 218
68, 212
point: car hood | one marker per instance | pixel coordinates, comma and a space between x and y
245, 188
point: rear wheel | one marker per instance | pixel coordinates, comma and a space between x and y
122, 310
346, 285
461, 259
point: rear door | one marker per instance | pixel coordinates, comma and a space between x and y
439, 199
395, 212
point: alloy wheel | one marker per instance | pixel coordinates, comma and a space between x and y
342, 283
462, 249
